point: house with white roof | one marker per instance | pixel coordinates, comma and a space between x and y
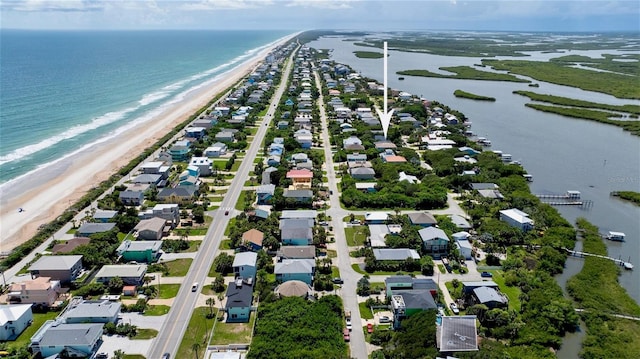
244, 264
203, 164
14, 319
435, 241
516, 218
216, 150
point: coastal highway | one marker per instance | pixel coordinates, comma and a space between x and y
172, 331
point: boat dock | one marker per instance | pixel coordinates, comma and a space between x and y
569, 198
626, 264
567, 195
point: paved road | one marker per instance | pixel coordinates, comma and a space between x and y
348, 292
170, 336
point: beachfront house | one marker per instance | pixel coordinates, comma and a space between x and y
14, 319
140, 251
180, 150
170, 212
151, 229
87, 229
41, 291
132, 274
62, 268
104, 216
216, 150
131, 198
91, 311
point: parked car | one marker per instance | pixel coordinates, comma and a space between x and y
346, 335
454, 308
337, 280
384, 319
369, 328
348, 321
486, 274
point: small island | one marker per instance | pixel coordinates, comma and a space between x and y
368, 54
464, 73
464, 94
631, 196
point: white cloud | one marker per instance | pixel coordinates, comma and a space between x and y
322, 4
222, 4
51, 5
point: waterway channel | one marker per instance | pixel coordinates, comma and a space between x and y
561, 153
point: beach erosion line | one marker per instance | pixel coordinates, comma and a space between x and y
46, 192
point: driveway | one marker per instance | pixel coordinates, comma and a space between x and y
115, 342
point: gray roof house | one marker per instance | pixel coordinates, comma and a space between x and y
239, 299
362, 173
296, 252
395, 254
489, 297
131, 198
79, 340
423, 219
299, 195
88, 229
62, 268
91, 311
244, 264
131, 274
434, 240
297, 236
151, 229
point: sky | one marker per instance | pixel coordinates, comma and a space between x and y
371, 15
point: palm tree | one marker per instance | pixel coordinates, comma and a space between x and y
196, 348
118, 354
211, 302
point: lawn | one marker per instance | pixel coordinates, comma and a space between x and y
197, 333
179, 267
225, 244
38, 319
240, 203
365, 312
168, 291
376, 287
232, 223
156, 310
454, 292
512, 292
331, 253
233, 333
355, 236
335, 272
236, 165
133, 356
144, 333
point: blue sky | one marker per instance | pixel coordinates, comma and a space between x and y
387, 15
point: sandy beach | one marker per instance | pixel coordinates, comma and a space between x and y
46, 193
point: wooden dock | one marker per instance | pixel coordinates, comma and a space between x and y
620, 262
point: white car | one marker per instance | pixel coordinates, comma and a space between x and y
194, 287
454, 308
384, 319
349, 324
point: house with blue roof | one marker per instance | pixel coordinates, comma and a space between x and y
294, 269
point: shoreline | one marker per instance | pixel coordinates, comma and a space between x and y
46, 192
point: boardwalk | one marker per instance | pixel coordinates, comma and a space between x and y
626, 265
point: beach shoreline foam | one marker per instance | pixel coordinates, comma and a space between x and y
47, 192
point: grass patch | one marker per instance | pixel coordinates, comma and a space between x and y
134, 356
368, 54
233, 333
357, 268
225, 244
355, 236
168, 291
332, 253
258, 160
236, 165
469, 95
144, 333
232, 223
464, 73
335, 272
566, 101
376, 287
241, 199
178, 267
512, 292
455, 293
365, 311
442, 268
156, 310
38, 319
633, 197
197, 333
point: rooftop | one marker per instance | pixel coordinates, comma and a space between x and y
55, 262
395, 254
458, 333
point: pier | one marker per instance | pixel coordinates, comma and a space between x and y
569, 198
620, 262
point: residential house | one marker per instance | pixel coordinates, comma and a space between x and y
460, 222
104, 216
87, 229
376, 217
225, 136
266, 174
516, 218
384, 145
301, 178
70, 245
216, 150
296, 252
294, 269
180, 150
203, 164
239, 299
244, 264
41, 291
468, 287
356, 157
366, 187
283, 125
78, 340
352, 143
304, 137
408, 178
14, 319
422, 219
140, 251
299, 157
152, 180
409, 295
434, 241
377, 234
394, 159
490, 297
265, 193
170, 212
299, 214
395, 254
297, 236
180, 194
131, 274
151, 229
131, 198
299, 195
252, 239
91, 311
62, 268
464, 246
362, 173
195, 132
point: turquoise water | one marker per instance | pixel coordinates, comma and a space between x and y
60, 91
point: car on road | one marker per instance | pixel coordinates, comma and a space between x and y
454, 308
226, 213
384, 319
166, 356
369, 328
349, 326
486, 274
346, 335
337, 280
102, 356
194, 287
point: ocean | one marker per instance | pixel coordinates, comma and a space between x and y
61, 91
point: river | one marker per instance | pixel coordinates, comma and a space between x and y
561, 153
